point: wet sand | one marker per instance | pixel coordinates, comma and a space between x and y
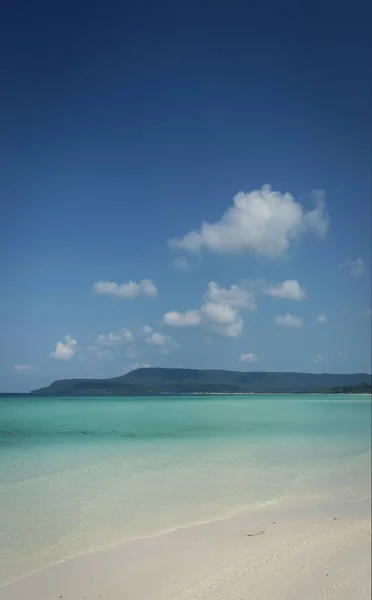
276, 552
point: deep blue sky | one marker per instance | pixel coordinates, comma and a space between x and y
127, 125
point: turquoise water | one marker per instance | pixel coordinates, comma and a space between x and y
82, 474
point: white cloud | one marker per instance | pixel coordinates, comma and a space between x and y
114, 338
290, 289
164, 342
355, 267
289, 320
158, 339
65, 351
235, 296
322, 319
222, 319
139, 365
190, 318
219, 313
181, 263
264, 222
19, 367
250, 357
145, 330
146, 287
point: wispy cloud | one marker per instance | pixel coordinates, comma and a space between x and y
164, 343
139, 365
114, 338
354, 266
131, 289
289, 320
181, 263
248, 358
20, 367
319, 358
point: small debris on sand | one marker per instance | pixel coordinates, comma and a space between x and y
257, 531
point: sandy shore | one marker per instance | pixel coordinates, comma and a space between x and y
315, 552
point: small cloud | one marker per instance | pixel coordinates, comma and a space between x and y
265, 222
235, 296
190, 318
355, 267
145, 330
290, 289
164, 342
131, 289
289, 320
322, 319
139, 365
319, 358
19, 367
99, 352
222, 319
248, 358
219, 313
65, 351
114, 338
104, 354
181, 263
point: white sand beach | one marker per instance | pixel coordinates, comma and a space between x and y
275, 552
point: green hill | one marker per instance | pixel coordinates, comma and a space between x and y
188, 381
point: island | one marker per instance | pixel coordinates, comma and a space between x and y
160, 381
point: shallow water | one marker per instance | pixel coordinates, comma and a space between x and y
81, 474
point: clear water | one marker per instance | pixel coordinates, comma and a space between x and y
82, 474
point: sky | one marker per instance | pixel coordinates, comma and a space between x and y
183, 185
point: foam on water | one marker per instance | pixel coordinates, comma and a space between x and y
83, 474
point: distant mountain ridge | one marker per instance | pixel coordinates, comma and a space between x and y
192, 381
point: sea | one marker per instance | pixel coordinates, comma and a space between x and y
82, 474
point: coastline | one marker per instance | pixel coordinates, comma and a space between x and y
320, 546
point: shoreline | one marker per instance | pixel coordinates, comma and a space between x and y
180, 394
141, 566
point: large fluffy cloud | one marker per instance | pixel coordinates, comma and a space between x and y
263, 221
289, 289
65, 351
131, 289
